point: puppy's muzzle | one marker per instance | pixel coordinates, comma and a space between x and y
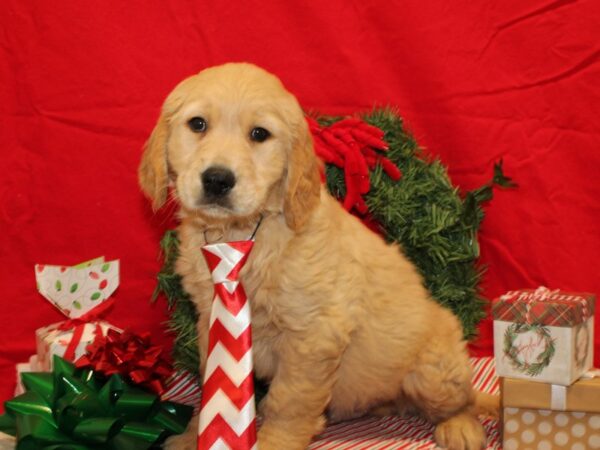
217, 182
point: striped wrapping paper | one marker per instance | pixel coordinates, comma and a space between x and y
183, 387
396, 433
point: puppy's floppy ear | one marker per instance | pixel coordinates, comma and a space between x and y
303, 184
152, 173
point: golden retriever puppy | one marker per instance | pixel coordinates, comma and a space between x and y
341, 322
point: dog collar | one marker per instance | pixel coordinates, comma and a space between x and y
251, 238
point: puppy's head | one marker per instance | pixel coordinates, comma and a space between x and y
233, 142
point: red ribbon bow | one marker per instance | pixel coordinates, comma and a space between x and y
130, 355
353, 145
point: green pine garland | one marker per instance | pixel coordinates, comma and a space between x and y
182, 322
436, 227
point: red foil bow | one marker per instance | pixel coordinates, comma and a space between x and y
355, 146
130, 355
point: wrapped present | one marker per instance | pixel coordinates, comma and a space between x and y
183, 387
544, 335
77, 290
542, 416
59, 337
82, 294
30, 366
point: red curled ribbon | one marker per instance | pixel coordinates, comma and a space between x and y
78, 326
130, 355
354, 146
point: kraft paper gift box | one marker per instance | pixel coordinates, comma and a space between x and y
81, 293
543, 335
541, 416
30, 366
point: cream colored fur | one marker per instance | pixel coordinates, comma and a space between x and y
342, 325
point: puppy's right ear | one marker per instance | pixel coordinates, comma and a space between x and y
152, 173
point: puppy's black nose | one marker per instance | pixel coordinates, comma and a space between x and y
217, 181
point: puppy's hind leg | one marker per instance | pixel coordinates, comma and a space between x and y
440, 388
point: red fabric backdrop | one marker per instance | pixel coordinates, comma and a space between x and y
81, 84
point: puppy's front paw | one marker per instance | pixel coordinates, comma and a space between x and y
289, 434
188, 440
185, 441
460, 432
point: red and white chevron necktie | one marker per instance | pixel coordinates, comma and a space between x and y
227, 412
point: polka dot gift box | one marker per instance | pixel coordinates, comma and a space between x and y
82, 294
540, 416
544, 335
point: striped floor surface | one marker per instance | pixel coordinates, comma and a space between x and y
405, 433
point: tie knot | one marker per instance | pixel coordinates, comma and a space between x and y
225, 260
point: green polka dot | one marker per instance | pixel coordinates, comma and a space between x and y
58, 285
74, 287
96, 295
105, 267
76, 304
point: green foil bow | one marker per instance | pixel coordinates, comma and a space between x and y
78, 409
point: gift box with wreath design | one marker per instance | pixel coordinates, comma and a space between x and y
544, 335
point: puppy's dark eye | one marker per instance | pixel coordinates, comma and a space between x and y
197, 124
259, 134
